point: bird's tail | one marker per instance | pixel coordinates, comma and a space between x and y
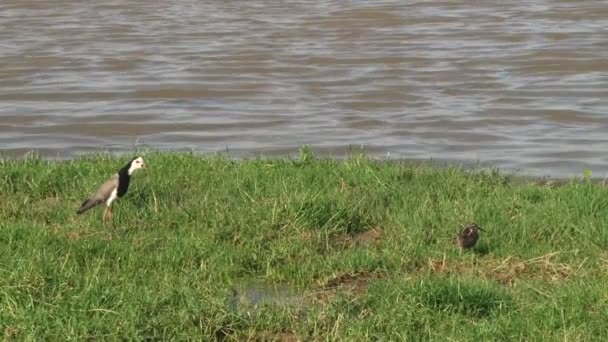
86, 205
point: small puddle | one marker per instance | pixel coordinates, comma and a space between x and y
256, 293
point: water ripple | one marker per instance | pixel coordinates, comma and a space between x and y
517, 86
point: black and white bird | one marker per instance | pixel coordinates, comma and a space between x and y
112, 189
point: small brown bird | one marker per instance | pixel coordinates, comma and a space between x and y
468, 237
112, 189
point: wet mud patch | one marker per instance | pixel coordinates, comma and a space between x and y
355, 284
287, 336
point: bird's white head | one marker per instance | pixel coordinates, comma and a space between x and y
136, 164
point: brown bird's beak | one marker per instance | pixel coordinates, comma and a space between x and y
144, 166
483, 230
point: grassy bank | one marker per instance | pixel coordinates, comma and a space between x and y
362, 250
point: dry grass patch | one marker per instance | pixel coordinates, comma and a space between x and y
366, 238
509, 270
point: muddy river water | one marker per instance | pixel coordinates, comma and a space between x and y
514, 85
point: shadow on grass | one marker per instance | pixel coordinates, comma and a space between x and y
481, 249
464, 297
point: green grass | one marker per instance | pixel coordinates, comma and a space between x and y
166, 270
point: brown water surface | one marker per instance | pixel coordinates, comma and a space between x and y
516, 85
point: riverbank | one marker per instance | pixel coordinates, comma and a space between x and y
328, 250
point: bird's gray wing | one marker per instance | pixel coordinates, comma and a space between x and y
100, 196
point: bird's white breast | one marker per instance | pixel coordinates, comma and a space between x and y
112, 197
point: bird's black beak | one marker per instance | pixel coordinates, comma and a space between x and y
483, 230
